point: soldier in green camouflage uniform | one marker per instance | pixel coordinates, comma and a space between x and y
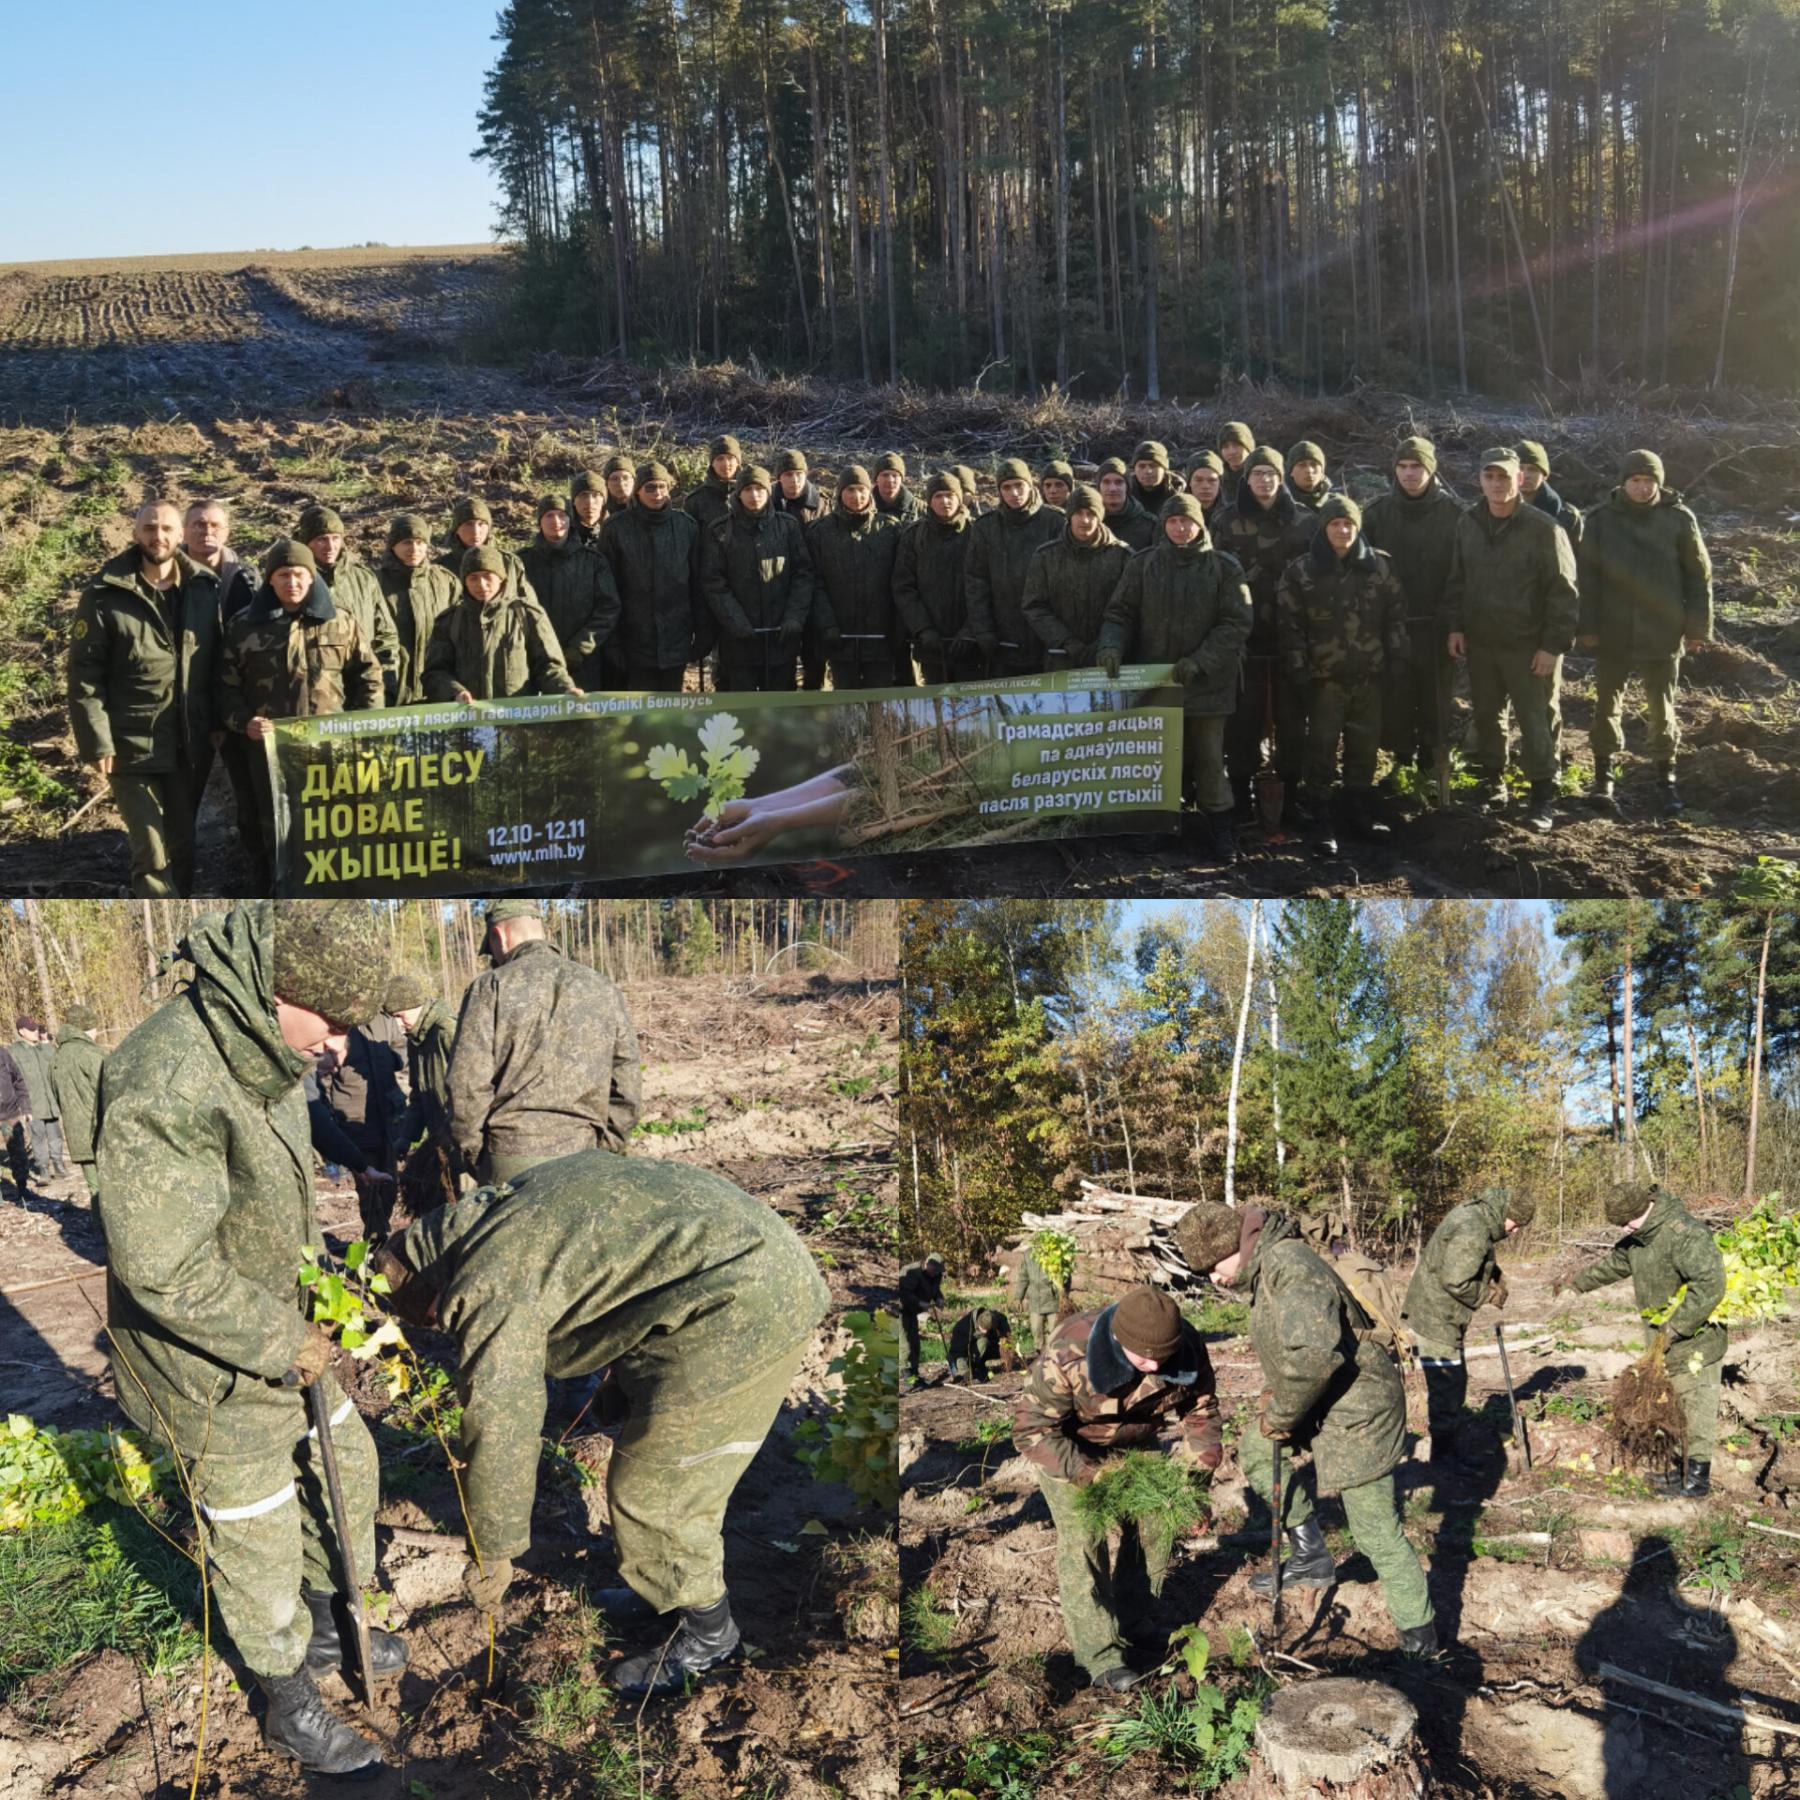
1646, 595
1534, 484
1456, 1276
75, 1075
1125, 518
921, 1291
495, 642
1056, 482
1306, 477
1206, 482
981, 1336
1331, 1388
472, 528
893, 498
205, 1161
1340, 626
34, 1056
1069, 581
430, 1038
546, 1059
1667, 1251
1001, 544
419, 592
1041, 1297
1117, 1379
1236, 441
700, 1299
355, 587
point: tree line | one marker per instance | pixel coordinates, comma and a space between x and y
1384, 1060
1156, 196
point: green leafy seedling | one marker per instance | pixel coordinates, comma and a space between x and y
725, 768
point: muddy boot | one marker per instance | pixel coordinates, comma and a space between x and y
1603, 797
705, 1638
1421, 1642
1540, 809
1221, 839
1690, 1481
1490, 795
1118, 1681
624, 1606
1671, 794
1363, 814
299, 1723
1310, 1564
326, 1651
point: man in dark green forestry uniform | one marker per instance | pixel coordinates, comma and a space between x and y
1646, 595
853, 550
1331, 1388
1153, 483
1667, 1252
546, 1057
1125, 518
921, 1291
1041, 1297
757, 575
355, 587
75, 1074
430, 1038
205, 1162
1457, 1276
928, 584
141, 666
419, 592
711, 500
654, 550
1113, 1380
1069, 581
700, 1299
1534, 484
980, 1336
576, 589
1000, 549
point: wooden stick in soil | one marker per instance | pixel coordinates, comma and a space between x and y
319, 1405
1756, 1721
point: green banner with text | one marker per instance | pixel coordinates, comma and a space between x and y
548, 792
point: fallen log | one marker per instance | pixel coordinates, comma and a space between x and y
1718, 1709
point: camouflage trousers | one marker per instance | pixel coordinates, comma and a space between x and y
672, 1473
1498, 674
266, 1523
1370, 1509
1446, 1388
159, 813
1350, 713
1695, 1368
1103, 1586
1042, 1324
1661, 675
1203, 782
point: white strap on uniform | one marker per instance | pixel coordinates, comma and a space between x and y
749, 1447
256, 1508
338, 1417
1441, 1362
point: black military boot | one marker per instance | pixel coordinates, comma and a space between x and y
300, 1724
706, 1636
624, 1606
1671, 794
1119, 1681
1298, 807
1540, 809
1365, 815
325, 1651
1221, 838
1310, 1564
1602, 797
1243, 801
1667, 1482
1421, 1642
1690, 1482
1491, 795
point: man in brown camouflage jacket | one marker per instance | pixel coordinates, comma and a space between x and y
1113, 1380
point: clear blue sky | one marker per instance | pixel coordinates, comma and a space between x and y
272, 126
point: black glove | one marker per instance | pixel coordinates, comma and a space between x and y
789, 636
931, 642
987, 643
1079, 655
1185, 671
832, 639
741, 634
1109, 661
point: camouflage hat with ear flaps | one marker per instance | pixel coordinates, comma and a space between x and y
331, 957
1206, 1234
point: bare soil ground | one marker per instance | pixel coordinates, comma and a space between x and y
337, 376
1518, 1711
787, 1090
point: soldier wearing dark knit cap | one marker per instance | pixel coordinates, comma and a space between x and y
1646, 596
576, 589
971, 490
800, 497
472, 528
1534, 484
1069, 581
1129, 1376
1206, 482
1125, 518
1236, 441
1056, 483
355, 587
928, 584
853, 551
893, 498
1001, 544
495, 642
757, 576
1153, 482
587, 509
712, 500
654, 549
1306, 477
620, 472
419, 592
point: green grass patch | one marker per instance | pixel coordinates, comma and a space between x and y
985, 1768
103, 1581
676, 1127
926, 1624
1215, 1316
1206, 1734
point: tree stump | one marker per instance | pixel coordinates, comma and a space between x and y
1337, 1739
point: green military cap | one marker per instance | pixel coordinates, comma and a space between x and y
790, 462
1208, 459
1207, 1233
288, 553
501, 912
1151, 451
1340, 506
854, 476
654, 471
966, 476
1085, 499
1501, 456
1058, 470
1643, 462
754, 475
587, 482
1183, 506
726, 445
1264, 456
943, 482
485, 557
83, 1018
552, 503
469, 509
1013, 469
1235, 431
1625, 1201
331, 957
1420, 450
407, 525
320, 521
890, 462
618, 464
406, 989
1114, 465
1533, 455
1306, 451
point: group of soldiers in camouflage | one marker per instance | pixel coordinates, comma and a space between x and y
1295, 623
47, 1101
568, 1259
1331, 1344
